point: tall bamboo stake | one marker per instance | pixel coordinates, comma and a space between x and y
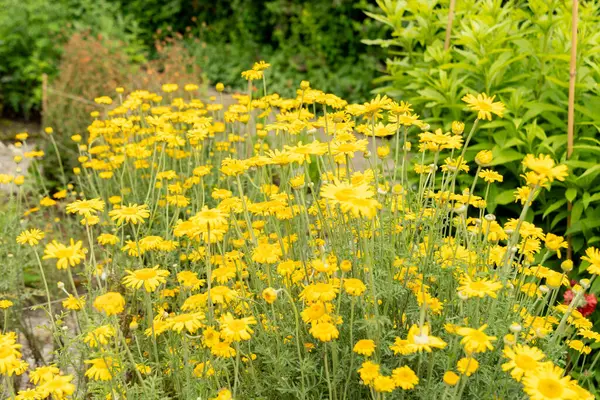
449, 26
571, 110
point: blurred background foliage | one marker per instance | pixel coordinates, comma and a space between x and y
316, 40
32, 35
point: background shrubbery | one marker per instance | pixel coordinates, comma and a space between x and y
321, 41
32, 33
520, 52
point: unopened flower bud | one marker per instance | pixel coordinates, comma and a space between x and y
490, 217
566, 266
484, 158
509, 340
458, 127
585, 283
460, 209
515, 327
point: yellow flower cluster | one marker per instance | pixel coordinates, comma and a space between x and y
48, 380
260, 250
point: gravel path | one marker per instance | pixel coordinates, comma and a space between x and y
8, 165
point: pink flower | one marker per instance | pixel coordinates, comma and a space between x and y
590, 302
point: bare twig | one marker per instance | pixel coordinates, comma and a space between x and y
71, 96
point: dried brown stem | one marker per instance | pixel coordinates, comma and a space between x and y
449, 26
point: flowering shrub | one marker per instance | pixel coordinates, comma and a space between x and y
519, 50
214, 262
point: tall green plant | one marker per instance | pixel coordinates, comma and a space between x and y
518, 51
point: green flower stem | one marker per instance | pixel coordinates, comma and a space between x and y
150, 318
49, 301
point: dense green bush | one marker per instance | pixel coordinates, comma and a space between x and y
29, 32
32, 33
518, 51
318, 40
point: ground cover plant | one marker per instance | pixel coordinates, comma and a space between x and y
295, 248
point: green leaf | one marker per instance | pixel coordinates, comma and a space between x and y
558, 81
535, 109
586, 147
460, 66
573, 164
380, 18
582, 225
596, 285
586, 199
590, 199
506, 197
577, 243
514, 142
559, 217
506, 155
570, 194
553, 207
576, 211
